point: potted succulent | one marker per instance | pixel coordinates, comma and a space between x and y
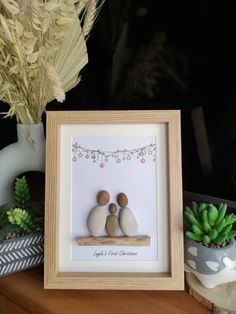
210, 247
21, 232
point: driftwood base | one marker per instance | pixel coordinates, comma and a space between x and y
221, 300
122, 241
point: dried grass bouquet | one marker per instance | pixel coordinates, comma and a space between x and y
42, 51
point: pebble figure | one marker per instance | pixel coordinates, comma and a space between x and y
128, 222
112, 223
97, 217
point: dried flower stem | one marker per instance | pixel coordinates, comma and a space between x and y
41, 53
80, 6
90, 16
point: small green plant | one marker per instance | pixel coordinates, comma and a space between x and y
21, 218
208, 224
5, 227
21, 193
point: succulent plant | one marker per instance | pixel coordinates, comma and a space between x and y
21, 193
208, 224
21, 218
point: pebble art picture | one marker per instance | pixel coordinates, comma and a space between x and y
114, 200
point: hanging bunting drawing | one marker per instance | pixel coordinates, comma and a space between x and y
103, 157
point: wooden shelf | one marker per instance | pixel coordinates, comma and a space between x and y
23, 293
116, 241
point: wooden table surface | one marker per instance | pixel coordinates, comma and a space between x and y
23, 293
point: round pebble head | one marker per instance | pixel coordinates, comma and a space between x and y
112, 208
103, 198
122, 199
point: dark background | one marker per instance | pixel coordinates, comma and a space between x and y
166, 55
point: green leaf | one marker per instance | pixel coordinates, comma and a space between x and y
211, 217
220, 239
195, 210
221, 225
213, 234
20, 217
201, 208
227, 229
193, 220
222, 212
193, 236
3, 209
231, 234
205, 217
228, 219
21, 193
196, 230
189, 210
206, 227
212, 214
232, 219
206, 239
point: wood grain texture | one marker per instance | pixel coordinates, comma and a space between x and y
7, 307
130, 241
25, 290
221, 299
174, 280
175, 198
51, 200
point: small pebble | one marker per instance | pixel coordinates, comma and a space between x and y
112, 208
103, 198
112, 225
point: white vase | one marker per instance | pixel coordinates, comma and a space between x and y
21, 157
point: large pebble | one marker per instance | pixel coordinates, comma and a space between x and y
128, 222
97, 220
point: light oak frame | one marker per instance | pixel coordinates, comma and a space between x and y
174, 280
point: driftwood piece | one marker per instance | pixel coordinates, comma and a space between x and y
221, 300
123, 241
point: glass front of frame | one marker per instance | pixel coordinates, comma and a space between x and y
117, 158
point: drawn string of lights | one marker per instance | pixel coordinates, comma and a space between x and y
102, 156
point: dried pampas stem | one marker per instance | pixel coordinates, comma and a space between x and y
56, 83
80, 6
42, 51
90, 16
11, 6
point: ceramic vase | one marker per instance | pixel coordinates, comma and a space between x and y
27, 154
212, 266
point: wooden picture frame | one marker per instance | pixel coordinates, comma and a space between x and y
57, 277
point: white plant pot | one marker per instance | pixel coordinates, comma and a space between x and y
212, 266
21, 157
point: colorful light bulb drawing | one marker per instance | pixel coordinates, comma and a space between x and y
118, 156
